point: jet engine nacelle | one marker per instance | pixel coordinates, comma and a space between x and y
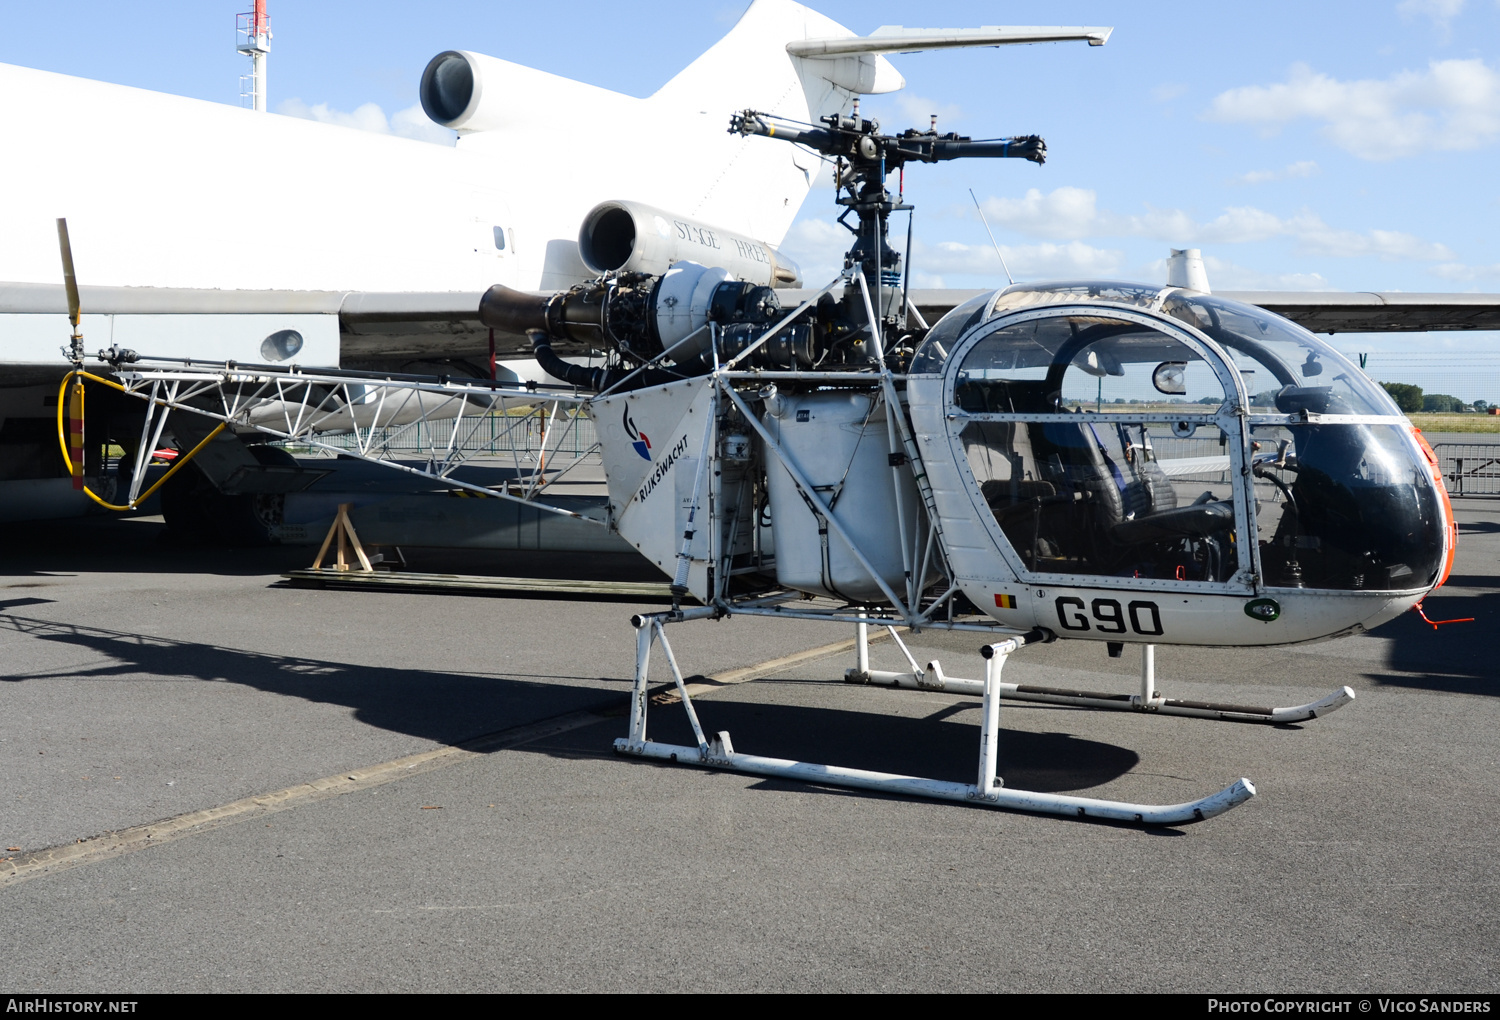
473, 93
630, 237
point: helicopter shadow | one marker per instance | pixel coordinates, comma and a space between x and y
936, 747
461, 708
436, 705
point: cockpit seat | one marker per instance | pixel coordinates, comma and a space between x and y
1132, 506
1195, 521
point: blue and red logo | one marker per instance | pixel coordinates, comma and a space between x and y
638, 438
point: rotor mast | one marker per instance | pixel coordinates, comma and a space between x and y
863, 159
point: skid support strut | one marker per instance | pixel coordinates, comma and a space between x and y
987, 791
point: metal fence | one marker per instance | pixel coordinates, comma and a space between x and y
498, 435
1470, 469
1468, 375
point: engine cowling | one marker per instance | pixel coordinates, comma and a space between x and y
452, 88
620, 236
663, 318
473, 93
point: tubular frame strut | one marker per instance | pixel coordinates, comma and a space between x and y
988, 790
443, 419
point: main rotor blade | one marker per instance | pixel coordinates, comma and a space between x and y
70, 280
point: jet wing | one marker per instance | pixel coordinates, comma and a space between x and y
1318, 311
353, 329
1372, 312
388, 331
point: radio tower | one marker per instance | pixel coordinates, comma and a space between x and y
253, 37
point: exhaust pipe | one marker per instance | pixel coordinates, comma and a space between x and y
576, 314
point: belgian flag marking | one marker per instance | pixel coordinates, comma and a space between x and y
1005, 601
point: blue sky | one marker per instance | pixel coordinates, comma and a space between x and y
1336, 145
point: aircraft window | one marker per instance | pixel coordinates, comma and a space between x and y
500, 238
1085, 363
933, 352
1285, 368
1109, 499
1346, 507
1018, 296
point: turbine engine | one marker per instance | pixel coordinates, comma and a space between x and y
673, 318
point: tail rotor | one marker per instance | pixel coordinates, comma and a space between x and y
74, 353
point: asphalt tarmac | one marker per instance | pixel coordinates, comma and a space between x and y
141, 682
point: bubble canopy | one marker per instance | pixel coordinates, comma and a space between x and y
1282, 366
1117, 430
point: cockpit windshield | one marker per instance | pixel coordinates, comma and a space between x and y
1284, 367
1344, 506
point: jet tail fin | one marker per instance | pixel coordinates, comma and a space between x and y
763, 64
783, 58
746, 184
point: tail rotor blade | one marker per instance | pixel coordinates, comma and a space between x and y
70, 280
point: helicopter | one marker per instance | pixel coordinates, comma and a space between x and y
1082, 461
1120, 463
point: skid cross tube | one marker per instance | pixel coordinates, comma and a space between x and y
988, 790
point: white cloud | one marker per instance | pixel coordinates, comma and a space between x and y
414, 123
1225, 275
1465, 274
1440, 11
369, 117
1305, 168
1072, 213
411, 122
1453, 105
1318, 238
898, 111
1063, 213
918, 111
819, 246
1074, 259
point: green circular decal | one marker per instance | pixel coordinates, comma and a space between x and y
1264, 610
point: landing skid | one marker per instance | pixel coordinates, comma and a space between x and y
988, 791
1148, 700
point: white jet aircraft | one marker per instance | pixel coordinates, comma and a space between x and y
372, 250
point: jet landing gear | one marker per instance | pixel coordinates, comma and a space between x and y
987, 791
1148, 700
